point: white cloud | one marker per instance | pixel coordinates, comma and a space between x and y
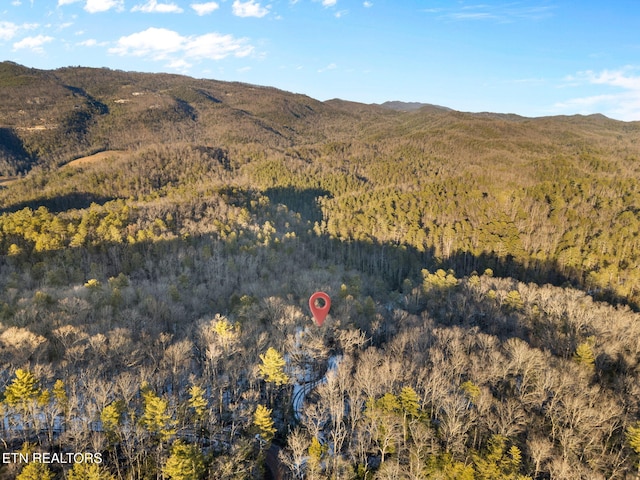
367, 4
67, 2
8, 30
214, 46
205, 8
501, 13
163, 44
33, 43
250, 8
616, 78
96, 6
329, 3
623, 104
341, 13
92, 42
158, 42
152, 6
331, 66
179, 64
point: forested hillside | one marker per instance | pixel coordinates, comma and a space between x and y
160, 237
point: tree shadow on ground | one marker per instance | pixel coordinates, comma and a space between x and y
76, 200
12, 151
397, 261
301, 200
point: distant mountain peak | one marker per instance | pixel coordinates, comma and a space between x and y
410, 106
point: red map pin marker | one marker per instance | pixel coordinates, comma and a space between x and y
319, 310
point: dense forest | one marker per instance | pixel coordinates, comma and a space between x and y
160, 237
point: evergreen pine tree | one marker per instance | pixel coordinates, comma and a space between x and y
264, 423
22, 390
89, 471
35, 471
197, 401
272, 368
186, 462
156, 418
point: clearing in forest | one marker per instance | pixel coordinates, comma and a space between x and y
96, 157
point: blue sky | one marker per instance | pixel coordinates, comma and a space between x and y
530, 57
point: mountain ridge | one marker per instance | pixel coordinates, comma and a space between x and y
53, 116
410, 106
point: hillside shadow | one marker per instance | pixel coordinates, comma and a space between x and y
227, 271
76, 200
390, 262
301, 200
397, 261
13, 152
94, 105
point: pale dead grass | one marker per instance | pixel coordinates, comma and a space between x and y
78, 162
7, 180
97, 157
